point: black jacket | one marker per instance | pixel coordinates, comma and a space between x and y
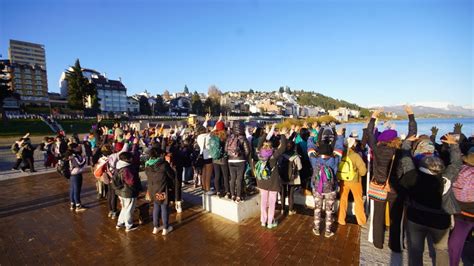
426, 191
160, 179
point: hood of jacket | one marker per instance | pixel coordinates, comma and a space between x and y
122, 164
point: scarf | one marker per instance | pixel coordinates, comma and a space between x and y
152, 161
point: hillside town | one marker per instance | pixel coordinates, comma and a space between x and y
25, 78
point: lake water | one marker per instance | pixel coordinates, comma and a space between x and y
424, 126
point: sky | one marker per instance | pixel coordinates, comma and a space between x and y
370, 52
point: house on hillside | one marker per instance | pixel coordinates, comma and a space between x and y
180, 106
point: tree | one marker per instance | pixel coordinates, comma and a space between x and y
282, 90
214, 92
212, 106
160, 106
5, 89
145, 108
78, 87
287, 90
251, 91
196, 104
166, 95
186, 90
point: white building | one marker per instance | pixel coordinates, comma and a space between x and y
112, 94
133, 105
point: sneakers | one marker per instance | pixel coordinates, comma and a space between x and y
328, 234
227, 195
80, 208
272, 225
118, 226
178, 207
131, 228
316, 232
238, 200
264, 225
110, 214
72, 206
291, 212
157, 229
167, 230
113, 216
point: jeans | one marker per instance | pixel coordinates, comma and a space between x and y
462, 228
417, 234
221, 173
112, 199
157, 210
268, 201
75, 185
126, 213
236, 171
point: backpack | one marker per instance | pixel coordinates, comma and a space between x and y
293, 172
234, 149
215, 147
463, 187
345, 171
117, 181
63, 168
324, 181
263, 170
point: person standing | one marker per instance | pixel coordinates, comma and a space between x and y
238, 151
127, 189
351, 169
160, 178
76, 163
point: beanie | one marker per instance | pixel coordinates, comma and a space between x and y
220, 126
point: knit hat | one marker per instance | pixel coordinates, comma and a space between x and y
387, 135
220, 126
424, 146
354, 134
350, 142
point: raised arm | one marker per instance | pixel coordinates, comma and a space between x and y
455, 164
412, 126
281, 149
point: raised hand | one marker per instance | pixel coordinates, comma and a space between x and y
208, 117
284, 131
377, 112
412, 138
408, 109
457, 128
450, 139
434, 131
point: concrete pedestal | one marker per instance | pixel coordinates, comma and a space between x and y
236, 212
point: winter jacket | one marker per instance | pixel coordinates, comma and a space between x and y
318, 161
466, 173
426, 191
160, 178
273, 183
131, 181
383, 154
203, 142
77, 164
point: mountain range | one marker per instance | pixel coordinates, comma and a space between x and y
433, 109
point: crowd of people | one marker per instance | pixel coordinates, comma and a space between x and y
427, 186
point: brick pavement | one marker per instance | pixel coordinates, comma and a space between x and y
38, 228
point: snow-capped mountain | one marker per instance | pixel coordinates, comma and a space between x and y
432, 109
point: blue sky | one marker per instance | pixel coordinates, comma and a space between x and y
369, 52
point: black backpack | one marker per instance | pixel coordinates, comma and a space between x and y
63, 168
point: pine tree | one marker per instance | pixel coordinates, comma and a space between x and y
145, 108
186, 90
196, 104
78, 87
282, 90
